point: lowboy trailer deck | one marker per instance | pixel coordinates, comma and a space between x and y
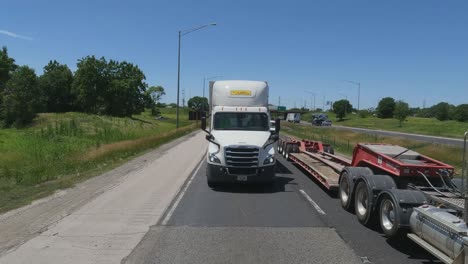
402, 190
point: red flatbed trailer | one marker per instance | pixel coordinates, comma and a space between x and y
400, 188
315, 158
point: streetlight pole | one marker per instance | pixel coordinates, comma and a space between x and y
313, 94
359, 91
182, 33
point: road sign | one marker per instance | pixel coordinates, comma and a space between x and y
281, 108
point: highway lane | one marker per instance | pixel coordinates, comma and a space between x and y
424, 138
255, 224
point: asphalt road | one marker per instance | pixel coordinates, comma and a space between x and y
431, 139
256, 224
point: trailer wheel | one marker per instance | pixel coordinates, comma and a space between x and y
329, 149
344, 191
295, 149
280, 143
283, 149
388, 216
362, 205
289, 148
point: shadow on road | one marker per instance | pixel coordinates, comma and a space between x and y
408, 247
279, 185
281, 169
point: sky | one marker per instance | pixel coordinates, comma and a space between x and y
415, 51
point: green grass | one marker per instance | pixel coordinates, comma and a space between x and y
418, 125
344, 141
59, 150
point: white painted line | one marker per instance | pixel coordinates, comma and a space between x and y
181, 194
314, 204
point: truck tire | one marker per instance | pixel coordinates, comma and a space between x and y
289, 149
345, 192
389, 216
363, 203
283, 148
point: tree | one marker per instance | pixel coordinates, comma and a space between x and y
341, 108
386, 107
21, 101
112, 88
56, 86
125, 94
7, 66
461, 113
152, 97
401, 111
156, 93
441, 111
198, 103
89, 84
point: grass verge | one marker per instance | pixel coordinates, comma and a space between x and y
60, 150
344, 142
417, 125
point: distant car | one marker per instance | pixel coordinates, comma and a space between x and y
318, 119
327, 123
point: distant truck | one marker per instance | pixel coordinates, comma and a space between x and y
240, 145
293, 117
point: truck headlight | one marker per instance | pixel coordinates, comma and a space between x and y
212, 157
269, 159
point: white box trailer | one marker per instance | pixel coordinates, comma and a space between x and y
240, 148
293, 117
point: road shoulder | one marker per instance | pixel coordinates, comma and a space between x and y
137, 192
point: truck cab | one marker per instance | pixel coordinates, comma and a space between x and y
240, 147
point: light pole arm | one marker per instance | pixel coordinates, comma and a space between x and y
187, 31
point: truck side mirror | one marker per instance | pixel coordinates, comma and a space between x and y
203, 123
277, 125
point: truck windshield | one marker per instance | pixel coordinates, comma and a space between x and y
241, 121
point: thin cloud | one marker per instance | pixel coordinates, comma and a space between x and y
14, 35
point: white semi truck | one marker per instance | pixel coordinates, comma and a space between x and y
240, 140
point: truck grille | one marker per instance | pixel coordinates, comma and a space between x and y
241, 156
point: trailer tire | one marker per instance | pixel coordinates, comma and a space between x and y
329, 149
363, 203
345, 192
389, 217
289, 149
295, 149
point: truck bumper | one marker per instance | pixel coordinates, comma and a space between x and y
220, 174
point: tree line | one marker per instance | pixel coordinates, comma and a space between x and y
98, 86
391, 108
442, 111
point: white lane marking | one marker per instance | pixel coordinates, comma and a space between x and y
181, 194
314, 204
